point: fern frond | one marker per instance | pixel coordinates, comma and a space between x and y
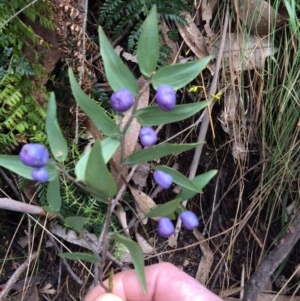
116, 15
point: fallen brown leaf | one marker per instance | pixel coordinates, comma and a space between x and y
132, 135
207, 8
29, 294
146, 247
206, 260
243, 52
143, 200
194, 39
259, 16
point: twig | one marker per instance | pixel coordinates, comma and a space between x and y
206, 117
59, 270
258, 279
81, 73
15, 276
125, 129
64, 261
103, 240
10, 204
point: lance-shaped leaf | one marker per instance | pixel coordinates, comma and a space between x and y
178, 178
53, 195
108, 145
148, 44
80, 256
137, 257
97, 177
155, 116
14, 164
200, 181
117, 73
76, 222
57, 142
179, 75
102, 121
158, 151
165, 209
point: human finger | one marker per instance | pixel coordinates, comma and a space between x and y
108, 297
164, 282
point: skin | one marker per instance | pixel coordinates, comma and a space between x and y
164, 281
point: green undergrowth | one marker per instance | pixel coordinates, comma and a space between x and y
21, 116
118, 15
77, 202
279, 130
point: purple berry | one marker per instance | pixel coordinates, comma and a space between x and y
147, 136
165, 227
162, 179
189, 219
34, 155
165, 97
40, 175
122, 100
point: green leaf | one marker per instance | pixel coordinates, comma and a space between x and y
158, 151
97, 176
178, 178
53, 195
49, 210
137, 257
148, 44
165, 209
57, 142
76, 222
14, 164
80, 256
179, 75
108, 145
155, 116
200, 181
101, 120
117, 73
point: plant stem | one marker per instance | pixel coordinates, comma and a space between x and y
125, 129
103, 240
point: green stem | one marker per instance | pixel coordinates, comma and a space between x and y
104, 234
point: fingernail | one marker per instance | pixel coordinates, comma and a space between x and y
108, 297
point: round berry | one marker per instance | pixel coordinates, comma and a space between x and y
122, 100
147, 136
34, 155
189, 219
40, 175
165, 227
162, 179
165, 97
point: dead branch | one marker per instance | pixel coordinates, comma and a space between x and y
256, 282
10, 204
13, 279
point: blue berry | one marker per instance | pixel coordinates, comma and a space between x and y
165, 97
165, 227
189, 219
122, 100
40, 175
147, 136
34, 155
162, 179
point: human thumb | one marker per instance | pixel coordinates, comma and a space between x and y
108, 297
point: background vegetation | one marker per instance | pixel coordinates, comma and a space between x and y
245, 211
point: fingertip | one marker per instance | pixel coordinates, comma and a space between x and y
108, 297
